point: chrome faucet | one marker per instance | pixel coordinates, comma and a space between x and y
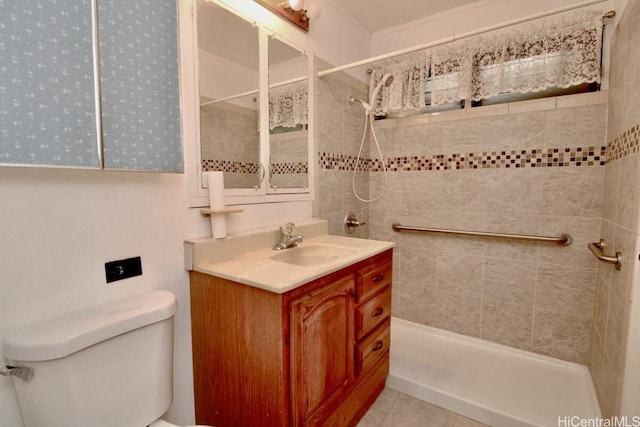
288, 239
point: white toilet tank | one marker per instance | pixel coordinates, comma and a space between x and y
106, 366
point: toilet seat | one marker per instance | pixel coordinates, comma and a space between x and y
163, 423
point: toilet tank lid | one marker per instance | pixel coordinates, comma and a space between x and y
66, 334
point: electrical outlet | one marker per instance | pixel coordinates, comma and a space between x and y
123, 269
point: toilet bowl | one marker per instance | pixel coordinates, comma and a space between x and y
104, 366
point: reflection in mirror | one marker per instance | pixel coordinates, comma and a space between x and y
288, 117
229, 78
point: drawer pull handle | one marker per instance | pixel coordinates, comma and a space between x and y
378, 311
378, 346
378, 278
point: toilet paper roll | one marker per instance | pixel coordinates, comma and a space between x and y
219, 225
216, 189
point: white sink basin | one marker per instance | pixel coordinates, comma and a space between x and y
311, 255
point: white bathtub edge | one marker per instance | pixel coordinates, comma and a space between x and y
460, 405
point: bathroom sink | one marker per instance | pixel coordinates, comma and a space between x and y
311, 255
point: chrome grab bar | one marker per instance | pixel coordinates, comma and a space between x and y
598, 250
564, 239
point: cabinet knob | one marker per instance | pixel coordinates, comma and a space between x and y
377, 312
378, 346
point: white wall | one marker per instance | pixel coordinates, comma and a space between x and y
59, 227
338, 39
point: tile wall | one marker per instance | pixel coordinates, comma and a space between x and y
537, 169
531, 172
620, 228
230, 142
339, 133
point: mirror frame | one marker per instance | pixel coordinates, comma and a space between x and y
269, 25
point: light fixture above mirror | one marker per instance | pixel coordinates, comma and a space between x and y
298, 12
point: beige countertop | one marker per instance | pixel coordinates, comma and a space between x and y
282, 271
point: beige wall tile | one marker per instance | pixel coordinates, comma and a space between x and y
601, 310
488, 110
459, 313
416, 305
588, 127
566, 290
583, 99
627, 209
460, 273
575, 191
418, 268
533, 105
561, 335
508, 281
509, 324
610, 191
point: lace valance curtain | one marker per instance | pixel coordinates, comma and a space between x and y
288, 105
555, 53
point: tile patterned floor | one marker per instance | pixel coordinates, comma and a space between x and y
395, 409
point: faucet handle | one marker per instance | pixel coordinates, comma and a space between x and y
287, 229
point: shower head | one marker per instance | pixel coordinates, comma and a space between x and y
386, 80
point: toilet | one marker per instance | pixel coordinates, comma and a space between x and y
105, 366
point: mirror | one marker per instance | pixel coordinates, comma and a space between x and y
229, 78
255, 104
288, 118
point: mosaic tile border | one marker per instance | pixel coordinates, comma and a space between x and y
551, 157
229, 166
253, 168
624, 145
289, 168
342, 162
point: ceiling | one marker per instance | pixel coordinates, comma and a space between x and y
378, 15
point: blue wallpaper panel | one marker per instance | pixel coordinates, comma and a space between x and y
47, 103
139, 84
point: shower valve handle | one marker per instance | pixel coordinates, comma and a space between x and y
351, 223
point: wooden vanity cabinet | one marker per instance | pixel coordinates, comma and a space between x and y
315, 356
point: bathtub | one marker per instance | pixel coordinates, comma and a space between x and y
491, 383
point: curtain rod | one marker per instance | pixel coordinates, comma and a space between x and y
458, 37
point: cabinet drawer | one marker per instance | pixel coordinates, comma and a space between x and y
374, 347
373, 312
373, 278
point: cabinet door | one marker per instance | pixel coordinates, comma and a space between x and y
47, 94
139, 85
322, 350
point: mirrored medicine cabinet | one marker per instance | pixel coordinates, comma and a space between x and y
254, 115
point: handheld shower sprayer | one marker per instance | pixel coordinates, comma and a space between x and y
386, 80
